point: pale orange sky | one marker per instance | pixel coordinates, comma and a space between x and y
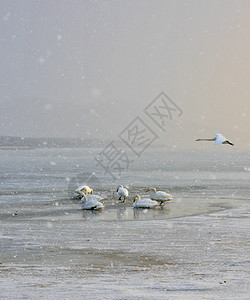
88, 68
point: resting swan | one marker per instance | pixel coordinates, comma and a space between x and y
122, 192
144, 203
94, 197
159, 196
84, 188
90, 204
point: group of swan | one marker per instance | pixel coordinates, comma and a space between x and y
92, 202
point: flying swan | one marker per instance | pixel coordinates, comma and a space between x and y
218, 140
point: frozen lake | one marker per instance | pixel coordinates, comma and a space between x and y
195, 247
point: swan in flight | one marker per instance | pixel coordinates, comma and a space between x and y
144, 202
122, 192
90, 204
218, 140
84, 188
159, 195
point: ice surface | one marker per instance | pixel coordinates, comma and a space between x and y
195, 247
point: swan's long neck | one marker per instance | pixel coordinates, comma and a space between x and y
137, 198
84, 196
153, 189
198, 140
119, 187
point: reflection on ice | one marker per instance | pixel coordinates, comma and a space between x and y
175, 208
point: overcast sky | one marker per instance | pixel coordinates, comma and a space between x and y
88, 68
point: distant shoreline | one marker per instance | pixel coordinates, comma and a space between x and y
25, 143
15, 148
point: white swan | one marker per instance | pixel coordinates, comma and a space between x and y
144, 203
84, 188
90, 204
218, 140
122, 192
159, 196
94, 197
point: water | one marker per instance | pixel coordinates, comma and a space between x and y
50, 247
43, 180
41, 175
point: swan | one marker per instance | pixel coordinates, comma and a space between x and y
144, 203
86, 189
90, 204
218, 140
94, 197
122, 192
159, 195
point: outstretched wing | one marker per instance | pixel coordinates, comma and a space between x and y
227, 142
